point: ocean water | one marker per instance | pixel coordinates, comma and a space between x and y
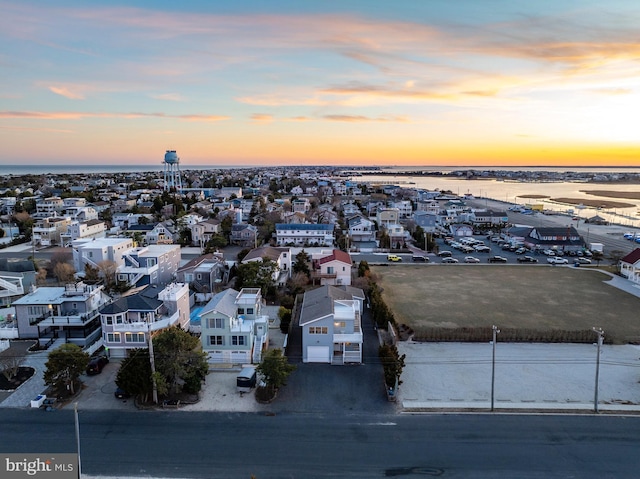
97, 169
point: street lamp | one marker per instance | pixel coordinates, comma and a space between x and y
600, 334
495, 331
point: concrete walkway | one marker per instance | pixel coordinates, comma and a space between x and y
33, 387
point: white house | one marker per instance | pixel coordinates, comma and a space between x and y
630, 266
332, 268
304, 234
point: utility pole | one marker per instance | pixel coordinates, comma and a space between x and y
75, 412
495, 331
153, 369
600, 334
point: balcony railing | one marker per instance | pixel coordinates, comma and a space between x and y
143, 326
50, 319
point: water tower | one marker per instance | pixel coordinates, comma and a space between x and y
172, 171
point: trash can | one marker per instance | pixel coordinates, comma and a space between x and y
246, 380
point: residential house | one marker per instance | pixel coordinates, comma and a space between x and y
427, 221
361, 229
332, 268
78, 230
16, 277
49, 207
244, 235
460, 230
233, 329
152, 264
387, 216
630, 266
489, 218
304, 234
331, 322
203, 231
49, 231
279, 255
205, 273
70, 312
128, 321
159, 234
97, 250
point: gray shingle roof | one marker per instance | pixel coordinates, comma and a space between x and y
223, 302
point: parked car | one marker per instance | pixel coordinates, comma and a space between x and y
445, 254
583, 260
97, 364
121, 394
527, 259
557, 260
481, 248
449, 259
393, 257
471, 259
419, 258
521, 250
497, 259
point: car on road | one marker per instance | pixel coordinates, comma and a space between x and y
471, 259
393, 257
557, 260
97, 364
449, 259
583, 260
527, 259
419, 258
121, 394
445, 254
497, 259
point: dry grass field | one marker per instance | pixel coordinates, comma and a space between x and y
529, 297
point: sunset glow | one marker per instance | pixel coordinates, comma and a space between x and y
430, 82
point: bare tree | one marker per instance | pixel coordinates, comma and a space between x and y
9, 366
64, 272
108, 270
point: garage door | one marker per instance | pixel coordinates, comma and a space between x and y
215, 357
318, 354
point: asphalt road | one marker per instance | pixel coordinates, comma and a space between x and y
222, 445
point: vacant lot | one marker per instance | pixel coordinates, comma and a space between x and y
529, 297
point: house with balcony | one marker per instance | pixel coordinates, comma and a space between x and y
84, 230
331, 322
233, 328
489, 218
49, 231
331, 268
387, 216
128, 322
361, 229
298, 234
94, 251
152, 264
70, 312
16, 278
49, 207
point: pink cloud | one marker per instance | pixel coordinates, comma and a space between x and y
65, 92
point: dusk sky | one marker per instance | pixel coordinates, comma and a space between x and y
420, 82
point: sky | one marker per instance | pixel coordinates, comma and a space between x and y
332, 82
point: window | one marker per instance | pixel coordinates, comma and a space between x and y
249, 310
340, 324
199, 276
318, 330
113, 337
216, 323
119, 319
108, 320
330, 270
216, 340
238, 340
240, 310
134, 337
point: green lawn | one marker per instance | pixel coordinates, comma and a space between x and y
529, 297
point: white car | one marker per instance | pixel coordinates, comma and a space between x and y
557, 260
471, 259
449, 260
